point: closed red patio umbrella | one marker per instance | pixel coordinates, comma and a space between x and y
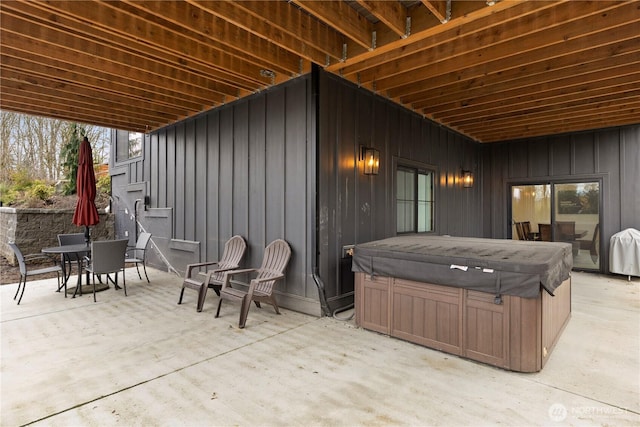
86, 212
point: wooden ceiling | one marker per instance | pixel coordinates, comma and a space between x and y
493, 72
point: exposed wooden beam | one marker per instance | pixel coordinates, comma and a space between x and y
61, 110
90, 98
512, 70
557, 114
556, 99
549, 69
589, 32
123, 63
342, 17
589, 71
475, 20
38, 10
87, 40
280, 23
439, 9
573, 125
133, 90
189, 31
391, 13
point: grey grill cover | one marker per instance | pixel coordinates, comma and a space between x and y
624, 256
502, 267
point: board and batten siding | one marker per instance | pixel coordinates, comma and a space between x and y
283, 163
609, 155
240, 169
355, 208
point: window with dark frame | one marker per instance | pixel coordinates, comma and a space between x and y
414, 200
128, 145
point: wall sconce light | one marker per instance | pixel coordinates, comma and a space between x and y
371, 158
467, 179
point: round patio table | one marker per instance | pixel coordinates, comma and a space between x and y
65, 251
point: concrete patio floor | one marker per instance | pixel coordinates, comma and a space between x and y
143, 360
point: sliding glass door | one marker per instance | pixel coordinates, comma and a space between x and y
560, 212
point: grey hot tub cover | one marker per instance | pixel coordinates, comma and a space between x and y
507, 267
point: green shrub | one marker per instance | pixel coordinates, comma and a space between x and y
40, 190
103, 184
21, 180
8, 195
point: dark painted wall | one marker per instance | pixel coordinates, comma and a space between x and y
611, 155
238, 169
356, 208
283, 164
249, 168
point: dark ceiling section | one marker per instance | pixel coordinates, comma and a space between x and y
491, 71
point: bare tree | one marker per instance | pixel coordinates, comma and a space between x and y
8, 125
34, 144
100, 139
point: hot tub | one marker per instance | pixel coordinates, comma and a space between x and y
501, 302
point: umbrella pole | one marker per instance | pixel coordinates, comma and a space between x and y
87, 236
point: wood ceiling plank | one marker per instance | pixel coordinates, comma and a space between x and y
575, 83
280, 23
157, 96
468, 118
535, 32
149, 96
34, 110
516, 69
591, 95
30, 105
58, 103
584, 119
79, 27
571, 47
456, 85
467, 23
88, 44
526, 131
582, 113
391, 13
438, 8
183, 29
543, 114
79, 95
202, 29
342, 17
122, 63
422, 23
107, 17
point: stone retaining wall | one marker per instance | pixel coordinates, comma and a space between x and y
34, 229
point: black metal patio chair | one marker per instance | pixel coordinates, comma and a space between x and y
138, 254
25, 261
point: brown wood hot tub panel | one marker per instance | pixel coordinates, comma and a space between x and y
518, 334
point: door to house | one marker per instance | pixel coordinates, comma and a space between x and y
560, 212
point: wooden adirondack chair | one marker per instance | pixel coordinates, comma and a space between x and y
234, 250
274, 262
